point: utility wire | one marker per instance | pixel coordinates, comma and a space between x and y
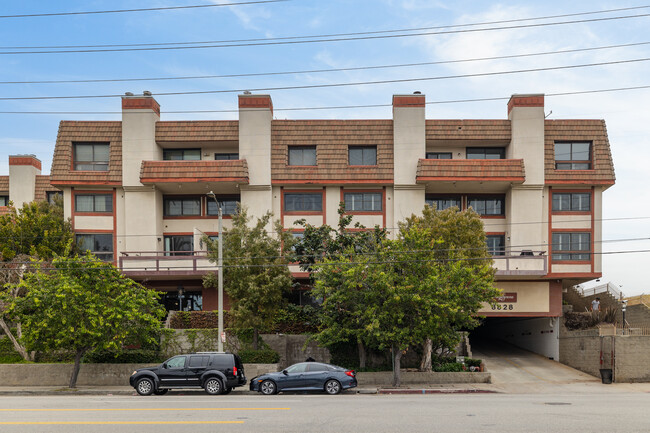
166, 8
299, 40
316, 71
331, 85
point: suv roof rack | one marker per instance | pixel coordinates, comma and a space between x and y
205, 353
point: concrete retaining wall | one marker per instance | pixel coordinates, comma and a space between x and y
291, 349
385, 378
89, 374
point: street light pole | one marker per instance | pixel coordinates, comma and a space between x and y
220, 276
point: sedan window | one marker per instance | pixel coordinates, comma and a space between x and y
317, 367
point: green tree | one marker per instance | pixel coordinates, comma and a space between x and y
256, 273
341, 310
37, 231
82, 303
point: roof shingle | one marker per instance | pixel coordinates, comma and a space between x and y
511, 170
194, 171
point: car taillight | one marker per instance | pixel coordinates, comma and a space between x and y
234, 371
350, 373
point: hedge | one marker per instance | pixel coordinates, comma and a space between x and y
266, 356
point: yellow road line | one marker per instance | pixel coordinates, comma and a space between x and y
144, 409
117, 422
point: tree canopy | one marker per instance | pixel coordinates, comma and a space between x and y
82, 303
255, 271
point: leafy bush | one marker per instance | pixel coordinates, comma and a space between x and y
470, 362
197, 320
265, 356
297, 319
448, 367
137, 356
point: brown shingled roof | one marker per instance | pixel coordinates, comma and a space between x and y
93, 131
198, 130
511, 170
479, 129
4, 184
579, 130
42, 186
194, 171
332, 138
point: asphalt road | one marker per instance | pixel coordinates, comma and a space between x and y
197, 413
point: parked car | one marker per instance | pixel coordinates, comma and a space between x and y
215, 372
306, 376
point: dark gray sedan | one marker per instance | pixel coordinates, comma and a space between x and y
306, 376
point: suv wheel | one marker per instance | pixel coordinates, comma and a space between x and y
144, 386
332, 387
213, 386
268, 387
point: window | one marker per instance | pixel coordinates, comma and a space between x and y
571, 202
302, 155
226, 156
573, 155
179, 245
99, 203
363, 201
438, 155
442, 203
91, 156
176, 362
496, 244
297, 368
198, 361
362, 155
228, 205
487, 205
303, 202
4, 200
181, 154
571, 246
486, 153
53, 196
190, 206
315, 367
100, 245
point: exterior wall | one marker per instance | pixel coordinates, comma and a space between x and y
292, 349
142, 229
581, 350
532, 297
598, 229
255, 139
539, 335
93, 223
22, 183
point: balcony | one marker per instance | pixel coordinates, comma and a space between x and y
169, 175
495, 174
521, 263
165, 264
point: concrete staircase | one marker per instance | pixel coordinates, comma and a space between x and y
638, 311
580, 299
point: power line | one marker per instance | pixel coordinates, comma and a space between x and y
166, 8
302, 40
331, 85
315, 71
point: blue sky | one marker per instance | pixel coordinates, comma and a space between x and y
627, 113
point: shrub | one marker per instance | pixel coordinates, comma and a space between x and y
470, 362
137, 356
197, 320
297, 319
265, 356
448, 367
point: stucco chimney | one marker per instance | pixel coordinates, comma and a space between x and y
23, 170
139, 116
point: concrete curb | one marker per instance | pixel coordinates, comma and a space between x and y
436, 391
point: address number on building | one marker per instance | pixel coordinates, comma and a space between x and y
503, 307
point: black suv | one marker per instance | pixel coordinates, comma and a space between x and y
216, 372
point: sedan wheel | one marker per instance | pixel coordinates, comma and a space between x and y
268, 387
332, 387
144, 386
213, 386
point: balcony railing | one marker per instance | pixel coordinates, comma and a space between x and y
165, 263
521, 263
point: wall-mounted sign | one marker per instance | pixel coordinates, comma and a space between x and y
507, 297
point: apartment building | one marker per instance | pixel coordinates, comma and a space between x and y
136, 191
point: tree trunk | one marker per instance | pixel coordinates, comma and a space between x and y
255, 338
397, 357
362, 353
19, 347
425, 364
77, 366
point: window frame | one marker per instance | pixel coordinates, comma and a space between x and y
363, 150
93, 162
502, 237
285, 211
501, 152
183, 151
380, 193
228, 154
571, 194
49, 196
302, 149
5, 198
94, 195
588, 162
209, 203
167, 198
99, 253
502, 197
589, 252
428, 155
433, 197
173, 252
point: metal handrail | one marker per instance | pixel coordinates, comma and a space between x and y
603, 288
